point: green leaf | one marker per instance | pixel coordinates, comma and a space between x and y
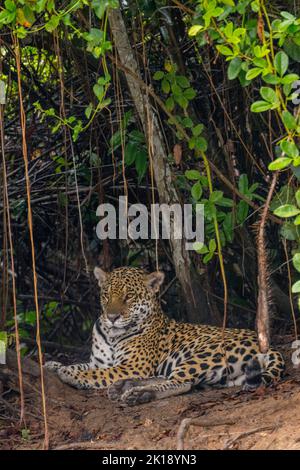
289, 120
297, 196
216, 196
281, 62
289, 148
217, 11
195, 29
29, 14
234, 68
197, 130
208, 257
228, 2
268, 94
199, 143
200, 248
176, 89
224, 50
131, 150
182, 81
181, 100
292, 49
253, 73
187, 122
88, 111
243, 183
100, 6
228, 226
40, 5
296, 287
280, 163
52, 24
212, 245
141, 163
260, 63
192, 174
290, 231
289, 78
225, 202
287, 15
271, 79
260, 106
99, 91
197, 191
165, 86
287, 210
158, 75
10, 5
115, 140
242, 212
94, 37
170, 103
137, 136
189, 93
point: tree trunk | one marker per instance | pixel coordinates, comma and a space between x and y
194, 297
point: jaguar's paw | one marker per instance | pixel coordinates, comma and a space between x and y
137, 396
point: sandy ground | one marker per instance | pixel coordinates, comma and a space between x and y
77, 419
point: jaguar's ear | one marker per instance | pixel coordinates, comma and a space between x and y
100, 275
154, 280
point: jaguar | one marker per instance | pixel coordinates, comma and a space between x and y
139, 354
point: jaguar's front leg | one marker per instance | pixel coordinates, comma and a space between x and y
68, 374
154, 388
52, 365
94, 378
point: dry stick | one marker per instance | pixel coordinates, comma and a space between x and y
187, 422
25, 156
230, 442
183, 7
181, 129
262, 317
82, 445
12, 264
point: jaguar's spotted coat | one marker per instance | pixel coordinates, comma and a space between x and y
141, 355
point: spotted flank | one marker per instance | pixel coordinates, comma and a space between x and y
140, 355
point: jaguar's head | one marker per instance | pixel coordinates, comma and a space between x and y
128, 296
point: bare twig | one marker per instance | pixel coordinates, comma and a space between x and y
91, 445
262, 318
230, 442
201, 422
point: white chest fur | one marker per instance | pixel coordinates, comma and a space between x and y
102, 352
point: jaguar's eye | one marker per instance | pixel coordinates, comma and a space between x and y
127, 297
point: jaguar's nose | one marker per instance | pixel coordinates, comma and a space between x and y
113, 317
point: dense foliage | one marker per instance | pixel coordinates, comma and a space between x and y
224, 80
